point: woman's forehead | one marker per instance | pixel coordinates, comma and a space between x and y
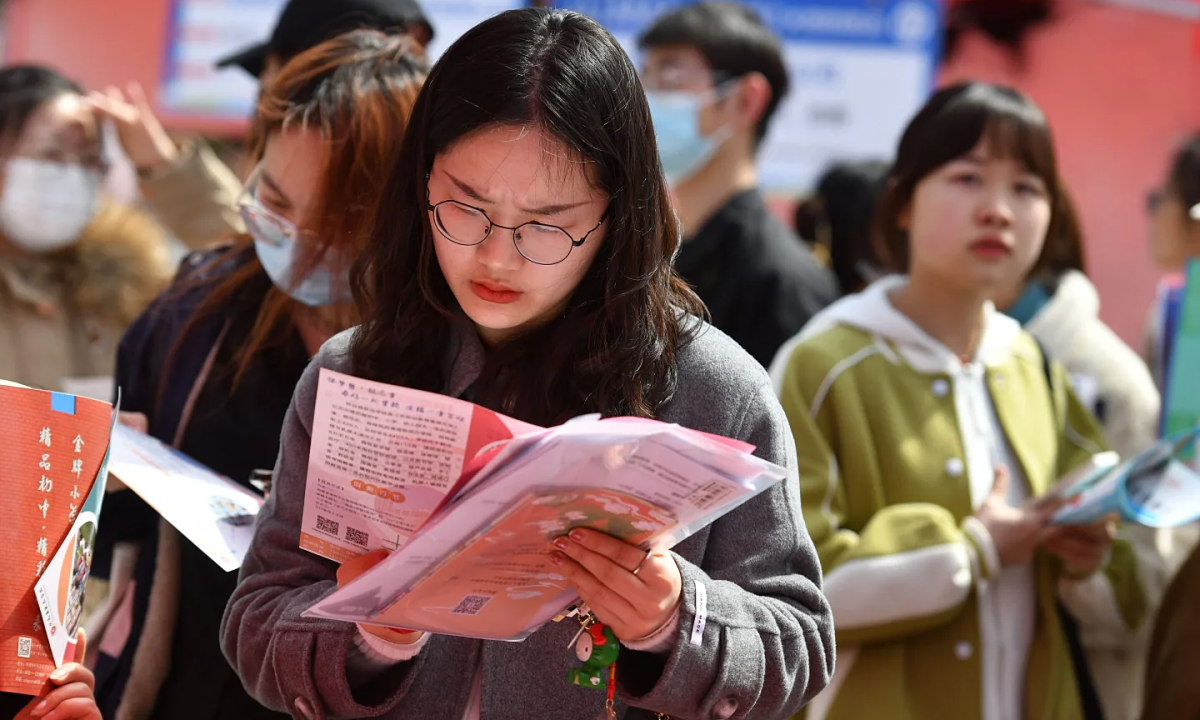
66, 121
517, 162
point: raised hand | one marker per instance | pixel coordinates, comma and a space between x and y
145, 141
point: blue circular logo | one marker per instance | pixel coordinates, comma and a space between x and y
912, 22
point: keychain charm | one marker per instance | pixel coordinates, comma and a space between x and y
597, 647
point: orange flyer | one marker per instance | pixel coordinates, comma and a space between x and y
501, 581
52, 448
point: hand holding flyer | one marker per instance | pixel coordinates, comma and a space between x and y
480, 565
1157, 488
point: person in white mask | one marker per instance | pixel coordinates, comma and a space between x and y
714, 75
74, 270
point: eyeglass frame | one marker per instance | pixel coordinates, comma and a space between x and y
247, 200
492, 225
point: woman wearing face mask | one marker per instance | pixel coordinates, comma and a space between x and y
535, 244
715, 75
74, 272
927, 423
213, 363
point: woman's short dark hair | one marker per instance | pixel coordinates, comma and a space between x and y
839, 214
953, 122
25, 88
1184, 179
614, 348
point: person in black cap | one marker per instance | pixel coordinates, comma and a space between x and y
307, 23
190, 188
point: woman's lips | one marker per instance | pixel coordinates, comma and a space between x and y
990, 248
494, 293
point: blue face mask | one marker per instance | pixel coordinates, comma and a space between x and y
274, 242
681, 147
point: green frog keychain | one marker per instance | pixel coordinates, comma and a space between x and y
597, 647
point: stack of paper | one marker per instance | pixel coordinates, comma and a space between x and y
1158, 488
487, 495
207, 508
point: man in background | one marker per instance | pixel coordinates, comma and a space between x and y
714, 75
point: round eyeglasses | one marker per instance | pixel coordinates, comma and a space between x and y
260, 221
539, 243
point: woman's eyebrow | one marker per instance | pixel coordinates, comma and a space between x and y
269, 182
548, 209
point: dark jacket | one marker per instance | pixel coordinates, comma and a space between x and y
171, 666
758, 280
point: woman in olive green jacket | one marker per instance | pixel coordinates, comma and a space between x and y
927, 424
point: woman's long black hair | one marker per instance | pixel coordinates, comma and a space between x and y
614, 348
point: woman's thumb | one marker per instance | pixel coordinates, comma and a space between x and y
1000, 484
80, 645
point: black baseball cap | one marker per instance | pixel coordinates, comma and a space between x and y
307, 23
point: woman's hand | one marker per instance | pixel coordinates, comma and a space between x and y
1084, 548
350, 570
1016, 531
145, 141
72, 699
602, 569
135, 421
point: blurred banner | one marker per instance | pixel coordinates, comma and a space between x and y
859, 70
200, 32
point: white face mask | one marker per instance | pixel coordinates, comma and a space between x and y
46, 205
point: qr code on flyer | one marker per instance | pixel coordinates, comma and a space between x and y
710, 495
24, 648
326, 525
357, 537
471, 605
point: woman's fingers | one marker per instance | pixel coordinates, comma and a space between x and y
610, 606
73, 673
629, 557
53, 702
81, 644
134, 421
351, 569
610, 565
79, 708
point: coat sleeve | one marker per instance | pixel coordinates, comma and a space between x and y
1114, 598
196, 197
286, 661
1171, 688
915, 554
756, 633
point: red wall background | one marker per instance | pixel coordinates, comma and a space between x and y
1120, 87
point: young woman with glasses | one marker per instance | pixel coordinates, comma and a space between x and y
521, 258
